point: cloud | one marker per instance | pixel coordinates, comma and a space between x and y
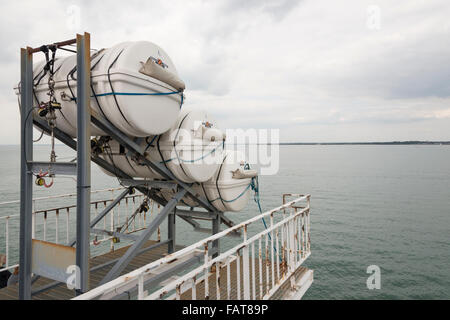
314, 69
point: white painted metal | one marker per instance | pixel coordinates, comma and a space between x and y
51, 260
47, 226
193, 276
246, 268
7, 240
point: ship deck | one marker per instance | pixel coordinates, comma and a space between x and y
61, 292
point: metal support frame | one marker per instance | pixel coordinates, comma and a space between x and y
86, 117
201, 215
149, 183
26, 175
105, 211
215, 229
81, 168
83, 159
133, 250
106, 126
64, 168
71, 143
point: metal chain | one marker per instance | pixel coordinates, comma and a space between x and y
52, 104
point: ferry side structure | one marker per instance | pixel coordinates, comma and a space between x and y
81, 169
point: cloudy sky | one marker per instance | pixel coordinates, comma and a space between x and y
317, 70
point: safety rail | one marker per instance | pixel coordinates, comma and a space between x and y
57, 223
282, 248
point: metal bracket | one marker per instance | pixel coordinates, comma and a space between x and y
201, 215
150, 183
115, 234
63, 168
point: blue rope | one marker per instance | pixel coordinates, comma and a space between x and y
232, 200
136, 94
149, 145
198, 159
255, 187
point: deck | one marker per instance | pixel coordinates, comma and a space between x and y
61, 292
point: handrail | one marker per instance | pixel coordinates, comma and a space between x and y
62, 195
138, 274
58, 227
229, 253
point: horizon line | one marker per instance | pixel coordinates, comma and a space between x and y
315, 143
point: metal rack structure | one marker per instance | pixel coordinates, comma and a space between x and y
81, 169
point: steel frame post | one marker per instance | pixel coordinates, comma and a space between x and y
26, 175
171, 231
145, 235
216, 229
83, 159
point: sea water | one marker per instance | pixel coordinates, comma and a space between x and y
387, 206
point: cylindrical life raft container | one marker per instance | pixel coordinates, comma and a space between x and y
135, 85
230, 187
192, 150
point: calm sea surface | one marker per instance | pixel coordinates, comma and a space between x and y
371, 205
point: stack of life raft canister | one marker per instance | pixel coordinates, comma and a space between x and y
135, 85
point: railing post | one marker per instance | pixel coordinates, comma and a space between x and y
246, 267
272, 255
141, 287
171, 230
83, 158
33, 227
206, 280
26, 176
291, 245
7, 241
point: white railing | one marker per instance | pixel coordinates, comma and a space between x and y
54, 220
261, 263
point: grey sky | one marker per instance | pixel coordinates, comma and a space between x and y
315, 69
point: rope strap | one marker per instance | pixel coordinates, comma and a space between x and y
135, 94
198, 159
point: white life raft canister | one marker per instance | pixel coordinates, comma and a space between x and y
192, 150
230, 187
135, 85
